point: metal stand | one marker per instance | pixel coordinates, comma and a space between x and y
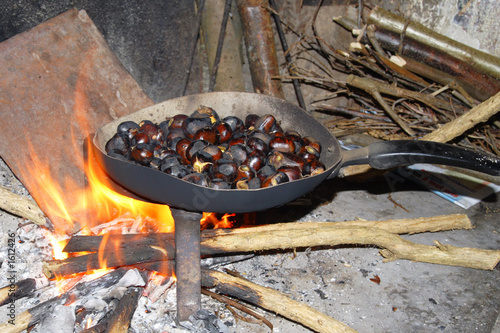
187, 263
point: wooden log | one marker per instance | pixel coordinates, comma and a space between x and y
273, 301
406, 29
21, 206
261, 49
109, 258
122, 315
165, 240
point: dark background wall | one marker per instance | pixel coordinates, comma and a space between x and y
153, 39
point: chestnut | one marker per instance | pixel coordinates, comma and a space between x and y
174, 133
141, 138
266, 123
250, 120
118, 144
276, 179
208, 134
265, 172
142, 153
293, 173
314, 167
308, 153
224, 169
294, 135
194, 147
177, 121
192, 125
201, 161
220, 184
238, 152
310, 141
279, 159
225, 131
282, 144
153, 131
256, 160
206, 112
254, 183
178, 171
254, 143
127, 127
261, 135
181, 149
236, 141
235, 123
169, 162
214, 151
244, 171
198, 179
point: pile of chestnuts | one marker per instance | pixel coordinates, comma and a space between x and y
228, 153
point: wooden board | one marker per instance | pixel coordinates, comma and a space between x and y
59, 81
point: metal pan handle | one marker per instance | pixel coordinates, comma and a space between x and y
390, 154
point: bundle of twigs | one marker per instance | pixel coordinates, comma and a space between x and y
389, 95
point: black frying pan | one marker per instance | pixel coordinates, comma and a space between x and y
159, 187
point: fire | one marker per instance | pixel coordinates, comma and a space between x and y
211, 221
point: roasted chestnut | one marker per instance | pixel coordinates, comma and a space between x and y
276, 179
244, 171
310, 141
225, 131
293, 173
177, 121
266, 123
282, 144
198, 179
201, 161
256, 160
214, 151
220, 184
193, 125
308, 153
128, 127
209, 134
175, 133
266, 172
278, 159
235, 123
239, 153
194, 147
140, 138
153, 131
178, 171
204, 112
224, 169
250, 120
118, 144
255, 143
181, 149
142, 153
314, 167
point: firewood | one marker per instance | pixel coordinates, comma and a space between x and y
122, 315
478, 114
398, 226
272, 300
17, 290
21, 206
133, 254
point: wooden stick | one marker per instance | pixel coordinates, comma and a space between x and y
21, 206
108, 258
474, 116
397, 247
272, 300
15, 291
122, 315
398, 226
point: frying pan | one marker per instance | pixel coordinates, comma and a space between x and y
159, 187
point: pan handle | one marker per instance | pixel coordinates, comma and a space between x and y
390, 154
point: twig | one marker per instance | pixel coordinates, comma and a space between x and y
21, 206
237, 305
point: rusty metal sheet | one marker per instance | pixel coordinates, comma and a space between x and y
59, 81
